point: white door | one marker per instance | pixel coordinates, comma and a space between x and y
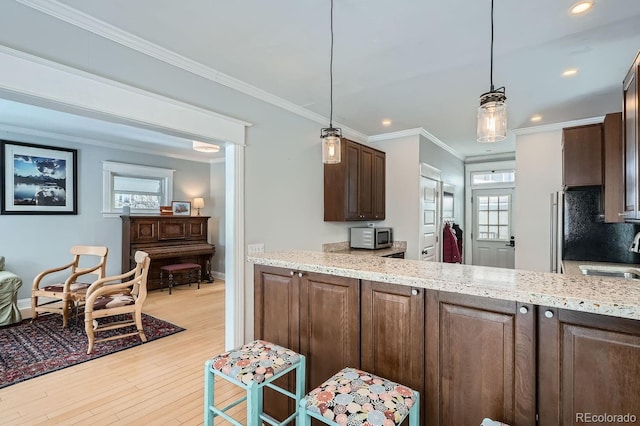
430, 219
492, 237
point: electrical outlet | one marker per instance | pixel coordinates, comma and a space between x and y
255, 248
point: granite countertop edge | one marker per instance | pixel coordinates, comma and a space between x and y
599, 295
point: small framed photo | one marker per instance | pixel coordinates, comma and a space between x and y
181, 208
38, 179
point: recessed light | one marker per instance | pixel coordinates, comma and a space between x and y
386, 122
570, 72
536, 117
581, 7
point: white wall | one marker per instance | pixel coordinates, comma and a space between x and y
215, 207
538, 174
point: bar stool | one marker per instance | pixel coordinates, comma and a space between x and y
252, 367
356, 397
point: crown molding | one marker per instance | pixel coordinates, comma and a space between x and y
419, 131
557, 126
100, 28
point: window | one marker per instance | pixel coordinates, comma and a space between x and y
493, 177
144, 189
493, 217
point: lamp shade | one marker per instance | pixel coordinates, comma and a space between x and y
198, 203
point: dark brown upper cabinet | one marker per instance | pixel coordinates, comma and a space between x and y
630, 123
582, 156
354, 189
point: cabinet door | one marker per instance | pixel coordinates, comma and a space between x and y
379, 188
329, 325
613, 168
589, 365
276, 319
630, 132
582, 155
392, 333
480, 360
365, 183
353, 178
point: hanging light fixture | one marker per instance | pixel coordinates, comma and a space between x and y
492, 112
331, 135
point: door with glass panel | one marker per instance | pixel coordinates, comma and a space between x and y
492, 238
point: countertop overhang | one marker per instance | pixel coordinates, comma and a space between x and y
599, 295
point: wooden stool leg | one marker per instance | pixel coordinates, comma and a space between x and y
161, 289
199, 277
414, 413
209, 390
170, 281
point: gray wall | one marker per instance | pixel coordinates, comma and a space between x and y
33, 243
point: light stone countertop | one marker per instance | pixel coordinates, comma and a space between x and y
600, 295
572, 267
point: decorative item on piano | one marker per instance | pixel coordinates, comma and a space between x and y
181, 208
166, 210
198, 203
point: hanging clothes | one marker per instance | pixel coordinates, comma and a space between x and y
456, 228
451, 253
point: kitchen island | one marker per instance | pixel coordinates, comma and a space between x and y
475, 341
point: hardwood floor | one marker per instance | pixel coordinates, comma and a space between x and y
157, 383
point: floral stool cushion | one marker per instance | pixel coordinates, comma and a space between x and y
354, 397
255, 362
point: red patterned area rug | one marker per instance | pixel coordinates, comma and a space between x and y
29, 350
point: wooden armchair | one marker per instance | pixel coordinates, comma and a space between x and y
59, 296
112, 296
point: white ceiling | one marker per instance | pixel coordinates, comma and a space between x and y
419, 63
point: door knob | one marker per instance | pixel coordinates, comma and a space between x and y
425, 251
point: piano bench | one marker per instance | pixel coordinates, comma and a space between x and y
188, 268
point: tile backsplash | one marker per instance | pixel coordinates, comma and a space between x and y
587, 237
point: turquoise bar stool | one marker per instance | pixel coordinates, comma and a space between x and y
252, 367
354, 397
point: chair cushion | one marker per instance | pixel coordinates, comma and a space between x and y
113, 301
58, 288
256, 361
355, 397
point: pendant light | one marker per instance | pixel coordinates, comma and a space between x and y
331, 135
492, 112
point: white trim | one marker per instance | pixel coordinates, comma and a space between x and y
557, 126
124, 38
235, 287
29, 78
415, 132
430, 172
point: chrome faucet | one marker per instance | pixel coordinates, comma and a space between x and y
635, 245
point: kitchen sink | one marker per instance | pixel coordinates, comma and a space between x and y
611, 271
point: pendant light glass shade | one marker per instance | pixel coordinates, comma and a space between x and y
331, 150
492, 117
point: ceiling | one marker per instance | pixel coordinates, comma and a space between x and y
417, 63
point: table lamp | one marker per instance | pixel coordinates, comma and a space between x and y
198, 203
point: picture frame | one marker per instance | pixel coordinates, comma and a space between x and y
38, 179
181, 208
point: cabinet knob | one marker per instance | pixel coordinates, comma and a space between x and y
414, 292
523, 309
292, 273
300, 274
548, 314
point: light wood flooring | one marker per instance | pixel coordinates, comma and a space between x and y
157, 383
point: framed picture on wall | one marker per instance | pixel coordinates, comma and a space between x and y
38, 179
181, 208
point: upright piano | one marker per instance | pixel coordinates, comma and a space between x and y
168, 240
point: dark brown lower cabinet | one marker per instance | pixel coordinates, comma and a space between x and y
329, 325
392, 333
276, 319
589, 368
480, 360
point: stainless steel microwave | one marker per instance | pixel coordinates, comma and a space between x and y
371, 238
